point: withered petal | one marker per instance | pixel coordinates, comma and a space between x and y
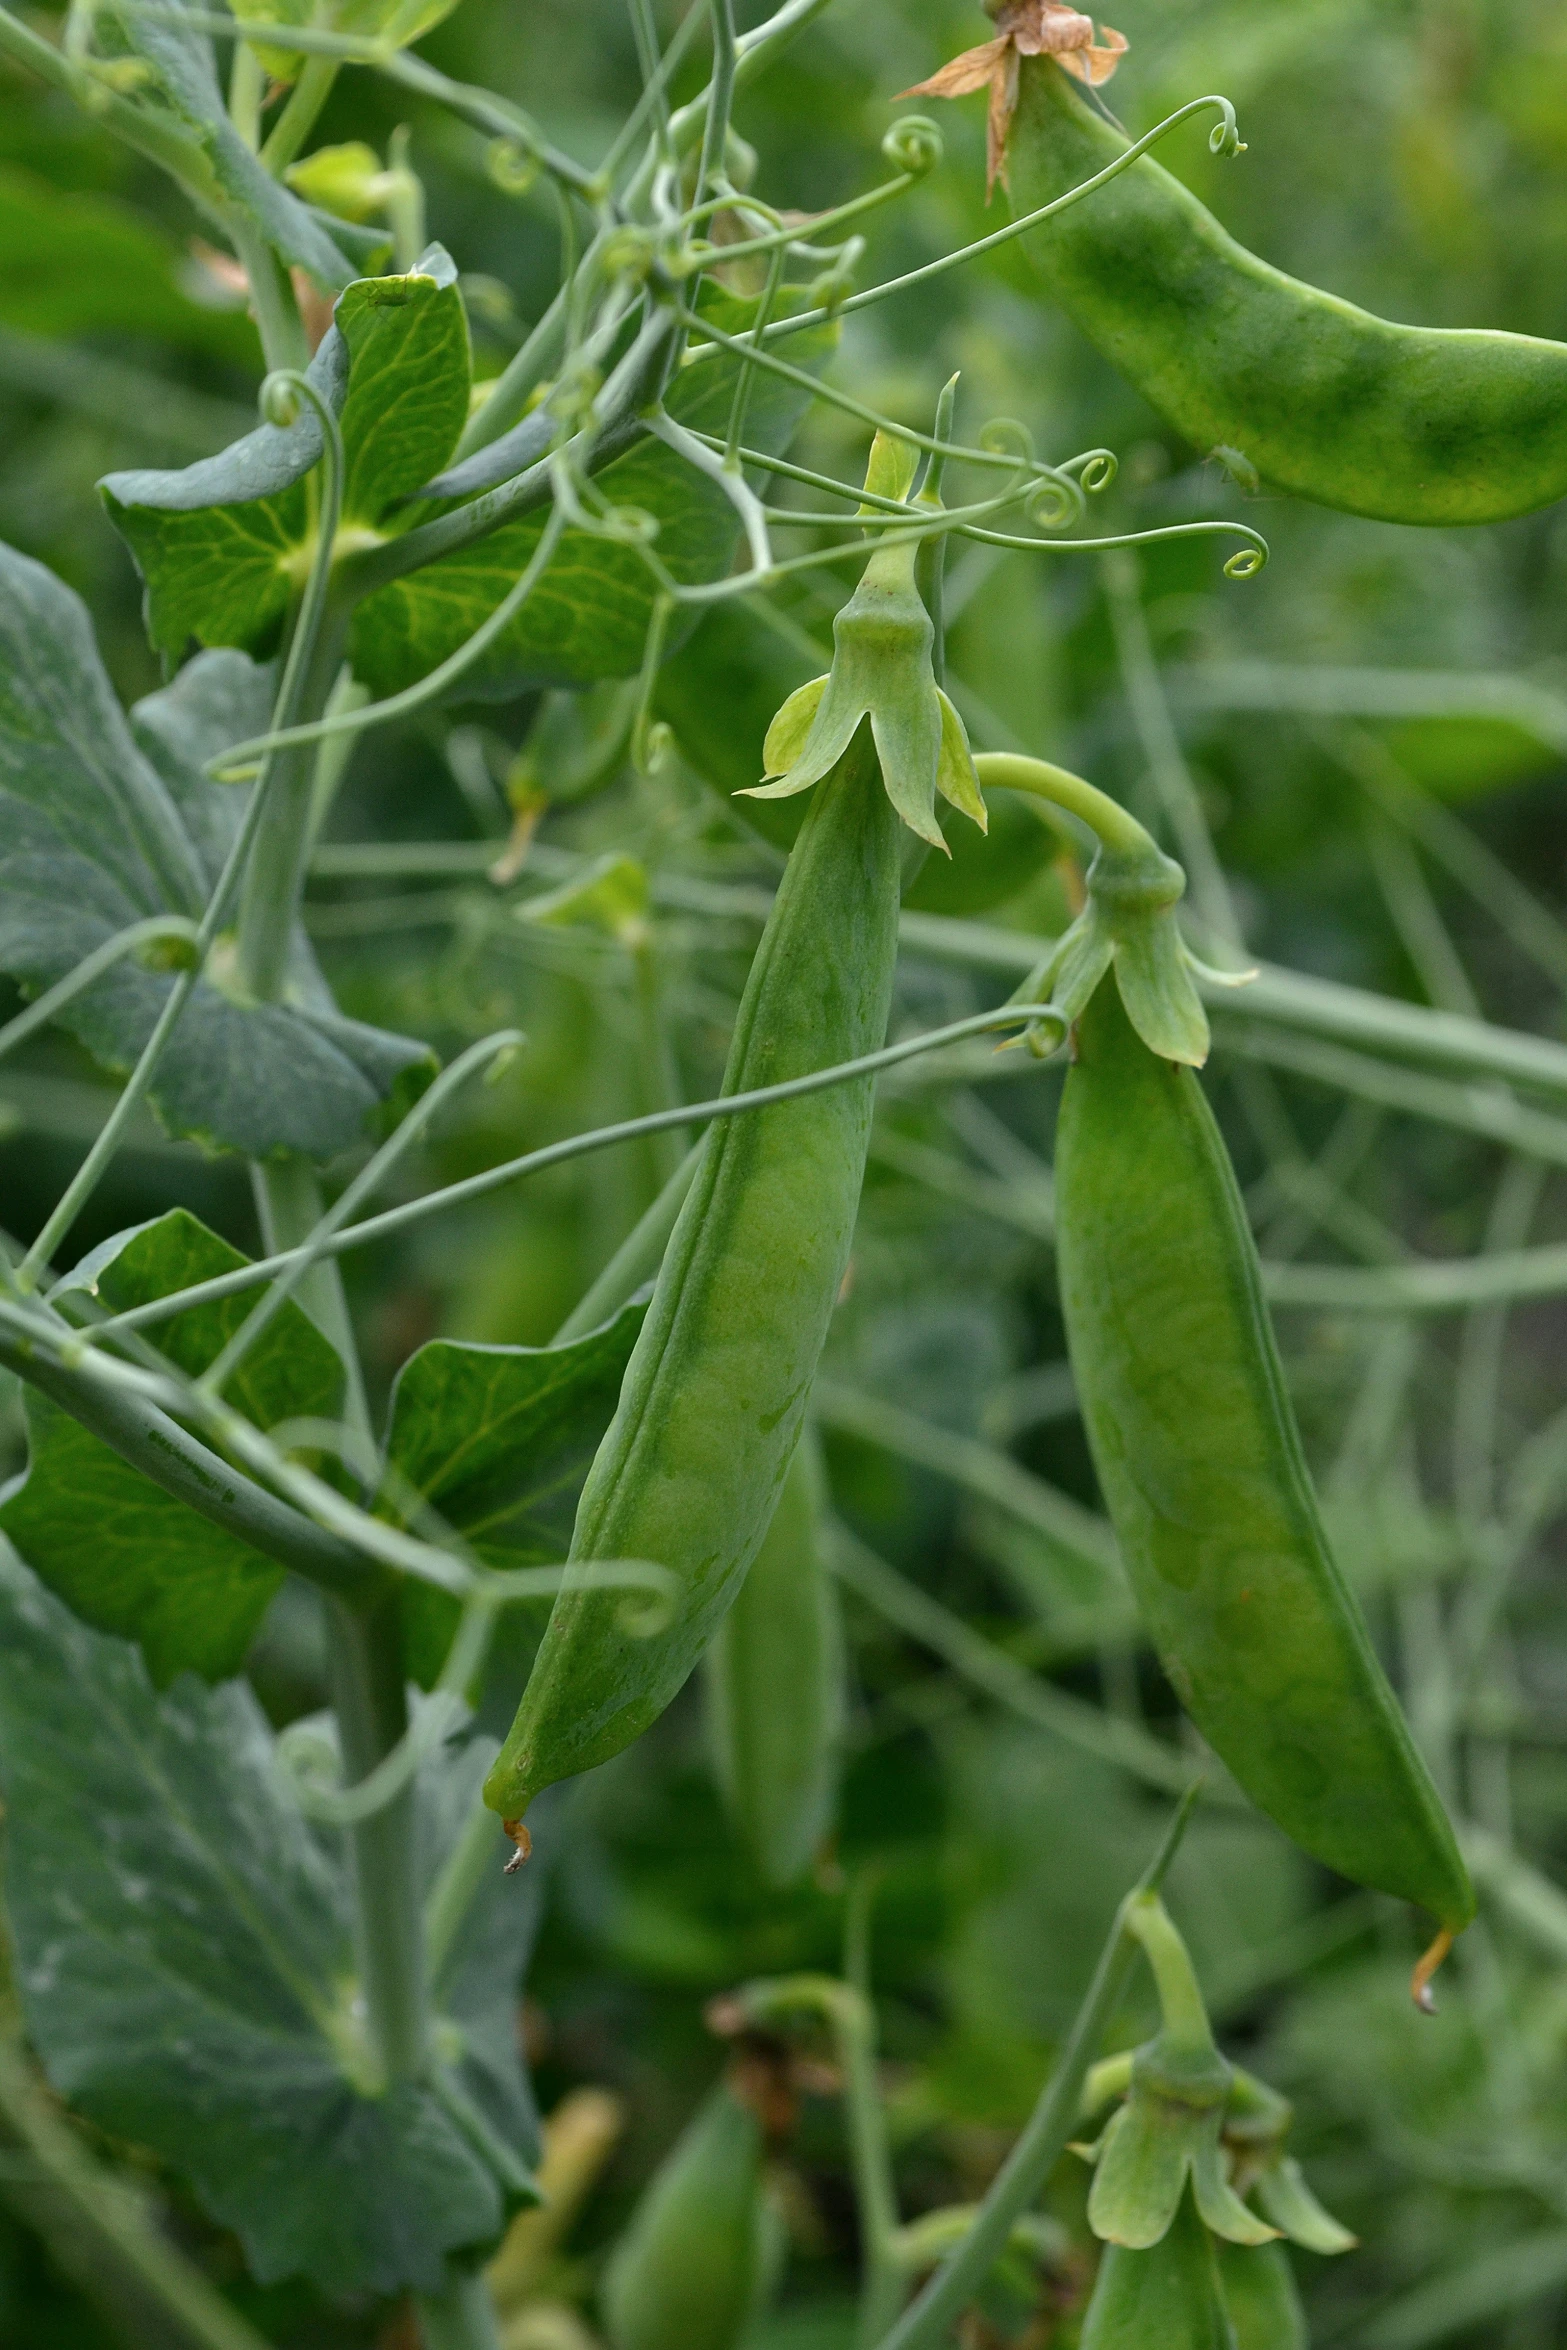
969, 72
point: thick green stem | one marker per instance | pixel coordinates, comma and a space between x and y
1105, 818
370, 1700
288, 1207
298, 118
1181, 2008
927, 2323
247, 88
365, 1657
282, 332
275, 876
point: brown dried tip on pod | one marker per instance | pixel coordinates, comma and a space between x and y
523, 1840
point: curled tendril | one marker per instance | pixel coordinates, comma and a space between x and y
1003, 436
1098, 470
512, 166
1225, 137
1053, 501
629, 252
1247, 562
280, 397
914, 144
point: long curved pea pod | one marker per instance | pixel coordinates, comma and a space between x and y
1167, 2298
715, 1392
1201, 1465
1259, 2293
1407, 424
697, 2260
689, 1473
775, 1699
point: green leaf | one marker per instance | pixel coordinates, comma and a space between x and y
185, 1961
224, 544
180, 58
103, 823
588, 617
87, 264
497, 1439
120, 1552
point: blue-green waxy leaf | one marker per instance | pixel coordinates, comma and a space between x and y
179, 58
184, 1956
124, 1555
497, 1440
103, 823
588, 617
224, 544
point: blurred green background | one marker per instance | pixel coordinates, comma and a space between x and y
1411, 155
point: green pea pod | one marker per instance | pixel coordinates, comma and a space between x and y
775, 1688
1407, 424
699, 2257
1203, 1473
714, 1396
1167, 2298
1259, 2293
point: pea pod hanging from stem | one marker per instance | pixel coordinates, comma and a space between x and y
1405, 424
1186, 1407
715, 1393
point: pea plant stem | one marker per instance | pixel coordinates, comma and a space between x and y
181, 1465
365, 1667
854, 2019
368, 1696
928, 2321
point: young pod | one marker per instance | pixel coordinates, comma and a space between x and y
710, 1413
775, 1695
1165, 2298
699, 2256
1407, 424
1260, 2296
1201, 1465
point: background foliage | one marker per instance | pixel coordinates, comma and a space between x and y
1410, 155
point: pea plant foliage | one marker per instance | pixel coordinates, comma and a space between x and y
284, 1967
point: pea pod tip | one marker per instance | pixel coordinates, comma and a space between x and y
1425, 1968
524, 1843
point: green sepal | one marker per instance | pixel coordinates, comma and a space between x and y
955, 777
1141, 2173
1295, 2212
1129, 925
1221, 2208
787, 736
883, 640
